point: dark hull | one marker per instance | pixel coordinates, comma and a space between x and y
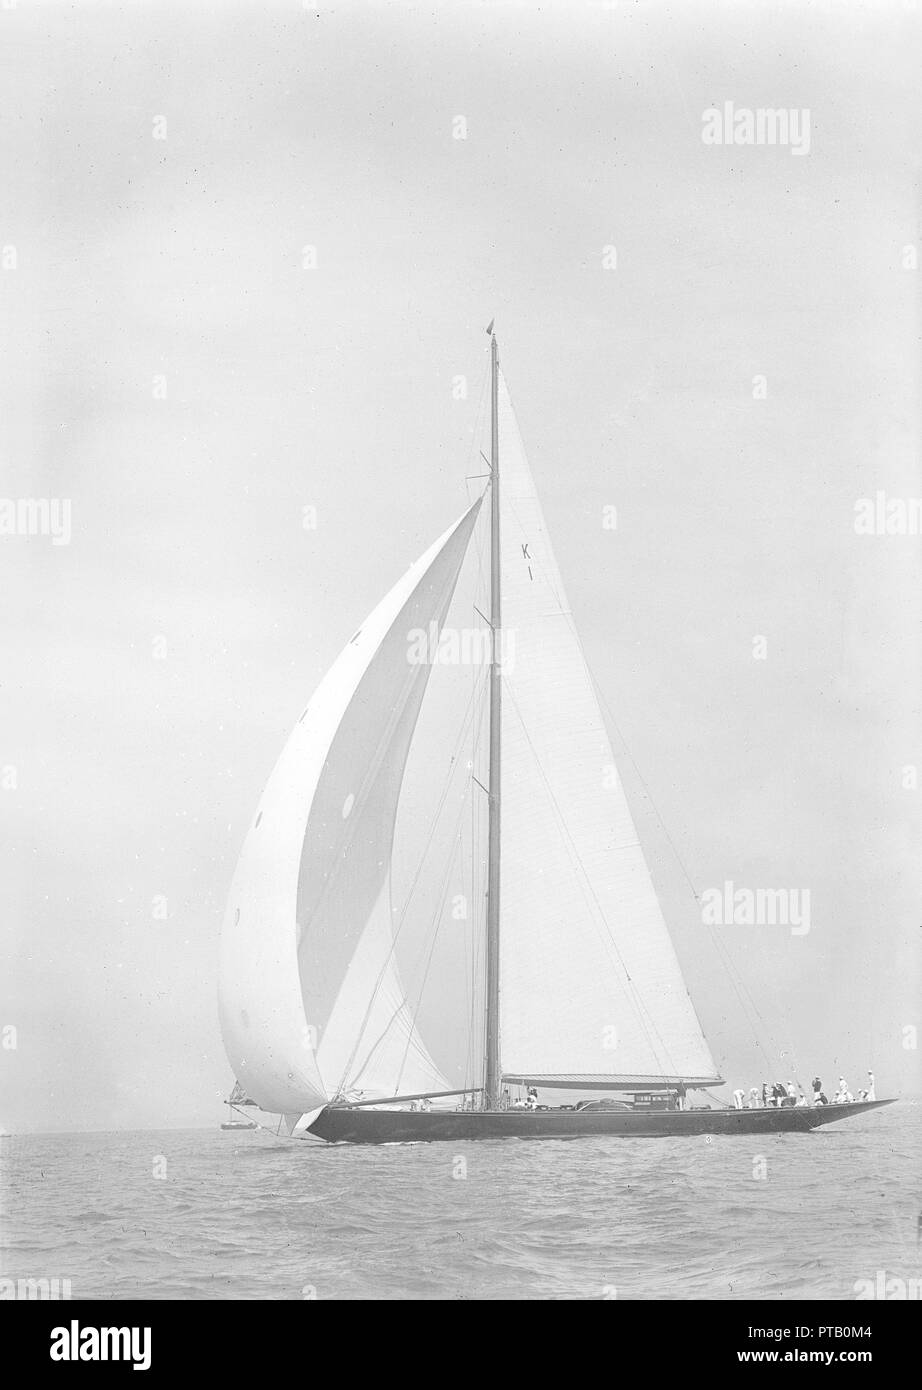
340, 1125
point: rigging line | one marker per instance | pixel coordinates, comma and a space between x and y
719, 947
565, 612
468, 974
547, 574
372, 770
478, 738
723, 954
469, 971
472, 1069
722, 951
607, 937
438, 923
477, 428
469, 955
453, 759
477, 735
474, 1059
396, 932
476, 728
266, 1129
722, 1103
733, 976
470, 996
414, 1013
479, 866
402, 919
411, 1039
452, 859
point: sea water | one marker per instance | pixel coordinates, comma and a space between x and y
246, 1214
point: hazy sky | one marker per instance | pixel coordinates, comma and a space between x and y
175, 364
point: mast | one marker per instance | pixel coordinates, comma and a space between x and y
491, 1067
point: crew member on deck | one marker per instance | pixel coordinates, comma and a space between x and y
738, 1097
872, 1095
680, 1094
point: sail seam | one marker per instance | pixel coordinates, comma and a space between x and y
721, 951
438, 927
411, 1040
584, 881
395, 932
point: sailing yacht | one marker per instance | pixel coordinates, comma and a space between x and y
582, 988
235, 1100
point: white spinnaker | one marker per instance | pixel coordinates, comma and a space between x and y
590, 986
310, 999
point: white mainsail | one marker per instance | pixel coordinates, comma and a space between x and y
311, 1002
590, 986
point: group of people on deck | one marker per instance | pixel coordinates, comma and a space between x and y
843, 1095
787, 1093
530, 1102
